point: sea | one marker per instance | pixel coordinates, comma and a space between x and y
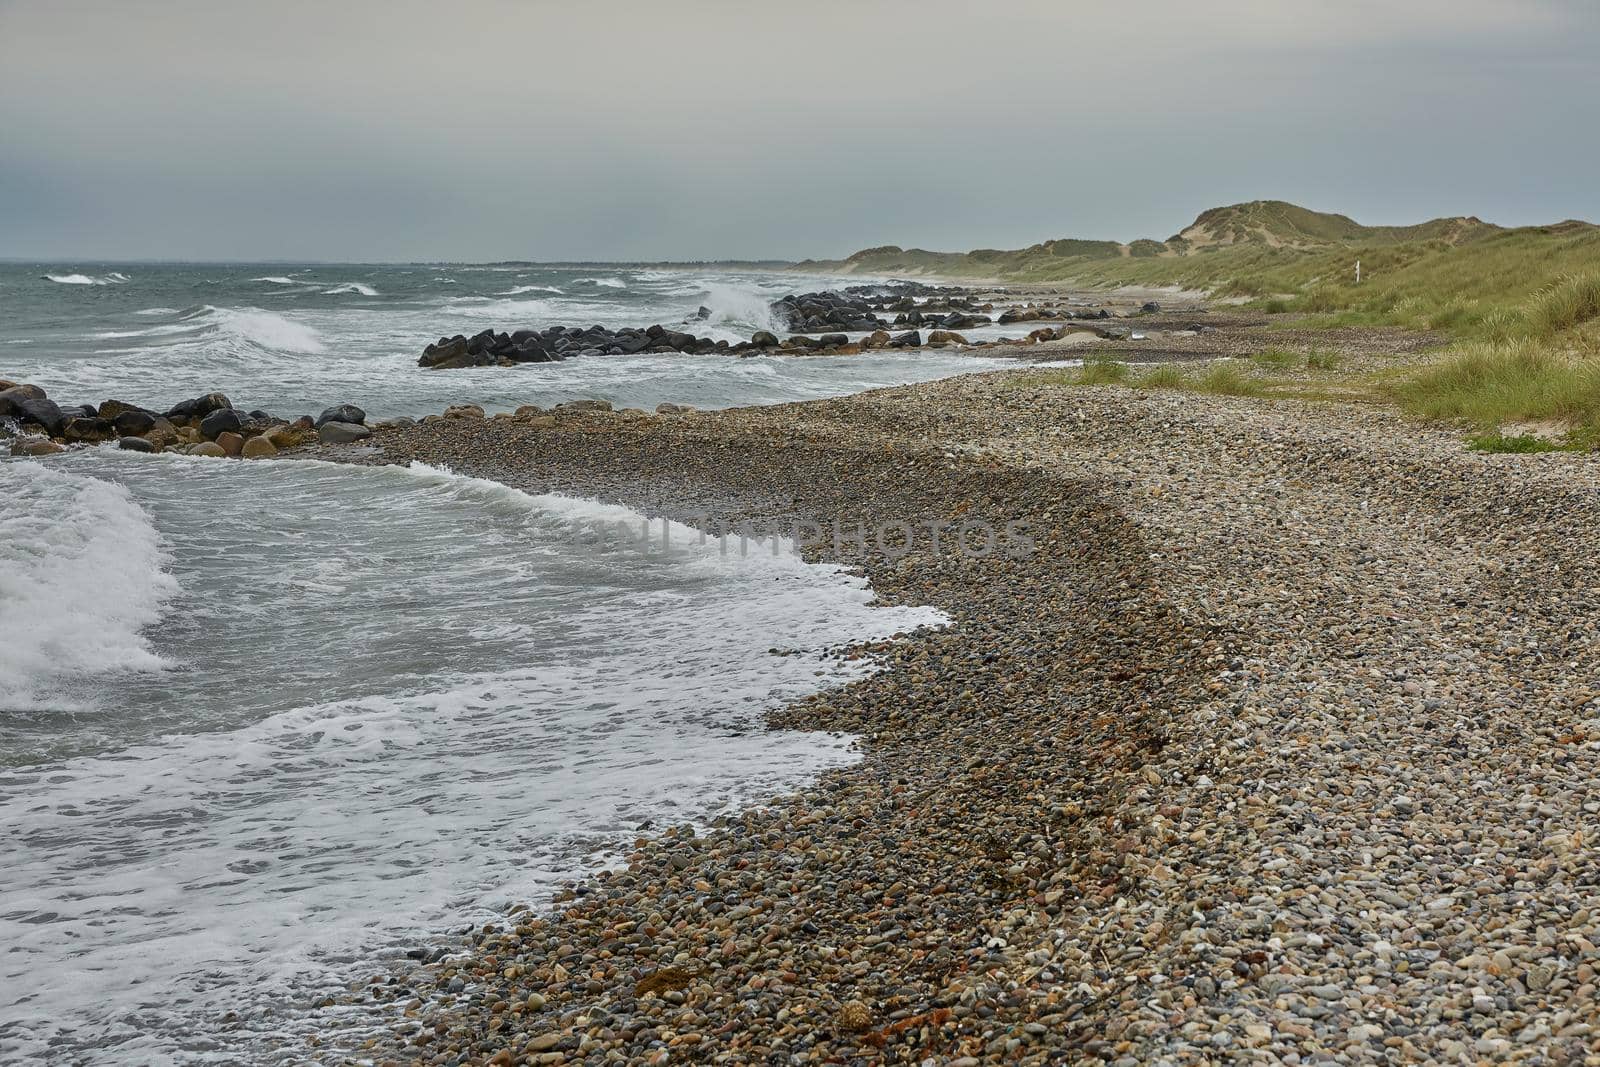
267, 728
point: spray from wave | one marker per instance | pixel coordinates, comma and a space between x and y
739, 309
351, 287
81, 574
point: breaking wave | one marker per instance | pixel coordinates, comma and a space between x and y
82, 572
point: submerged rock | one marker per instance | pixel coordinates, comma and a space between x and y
35, 446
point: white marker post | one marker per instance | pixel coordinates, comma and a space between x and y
1358, 272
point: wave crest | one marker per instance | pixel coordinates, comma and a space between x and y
114, 278
82, 572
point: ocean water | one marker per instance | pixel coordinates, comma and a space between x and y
294, 341
264, 727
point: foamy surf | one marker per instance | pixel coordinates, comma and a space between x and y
82, 573
113, 278
351, 287
559, 695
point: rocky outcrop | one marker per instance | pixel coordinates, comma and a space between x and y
207, 425
492, 349
1036, 313
832, 309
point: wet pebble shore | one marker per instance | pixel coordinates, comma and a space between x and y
1279, 746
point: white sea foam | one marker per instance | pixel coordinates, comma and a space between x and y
508, 311
255, 866
157, 311
519, 290
740, 307
351, 287
82, 573
275, 280
604, 283
87, 279
264, 328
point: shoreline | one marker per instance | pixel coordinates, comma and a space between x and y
733, 485
1094, 819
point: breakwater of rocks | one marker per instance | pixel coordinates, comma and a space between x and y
821, 323
206, 425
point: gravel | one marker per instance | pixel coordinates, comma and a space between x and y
1281, 747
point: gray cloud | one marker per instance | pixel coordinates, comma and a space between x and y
708, 128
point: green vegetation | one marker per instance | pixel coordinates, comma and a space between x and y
1319, 359
1570, 302
1224, 379
1276, 358
1100, 370
1521, 308
1522, 444
1459, 275
1165, 376
1488, 384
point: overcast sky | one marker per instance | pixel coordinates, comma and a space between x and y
678, 129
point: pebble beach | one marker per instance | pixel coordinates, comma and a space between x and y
1277, 745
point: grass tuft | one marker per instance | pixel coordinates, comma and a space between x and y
1276, 358
1322, 360
1487, 385
1224, 379
1570, 301
1165, 376
1521, 444
1102, 371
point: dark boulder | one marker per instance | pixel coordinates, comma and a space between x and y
909, 339
86, 429
219, 422
199, 407
135, 444
764, 339
131, 422
1150, 307
44, 413
110, 409
342, 413
445, 351
22, 392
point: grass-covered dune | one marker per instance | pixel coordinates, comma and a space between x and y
1460, 274
1522, 304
